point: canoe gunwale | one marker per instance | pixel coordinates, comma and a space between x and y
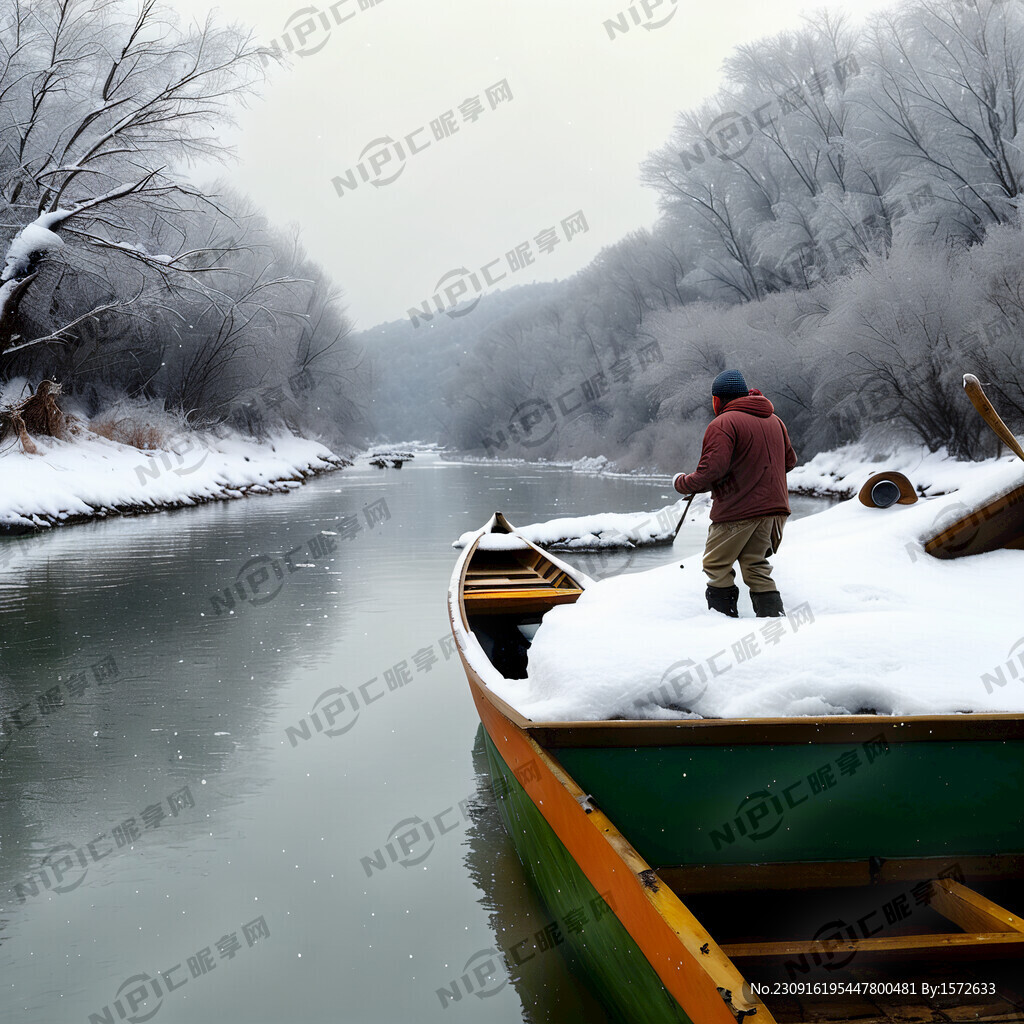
775, 731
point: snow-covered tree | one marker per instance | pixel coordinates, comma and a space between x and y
98, 106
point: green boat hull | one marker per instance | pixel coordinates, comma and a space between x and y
769, 804
617, 972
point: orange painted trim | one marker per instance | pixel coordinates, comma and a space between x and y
640, 910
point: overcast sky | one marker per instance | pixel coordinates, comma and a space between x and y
585, 109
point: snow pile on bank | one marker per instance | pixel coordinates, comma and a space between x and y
874, 624
842, 471
91, 476
604, 530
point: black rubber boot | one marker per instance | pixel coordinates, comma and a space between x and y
724, 600
767, 605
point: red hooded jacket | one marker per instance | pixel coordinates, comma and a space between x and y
744, 461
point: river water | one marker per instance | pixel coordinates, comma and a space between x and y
168, 805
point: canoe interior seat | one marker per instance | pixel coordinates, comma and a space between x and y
912, 929
515, 581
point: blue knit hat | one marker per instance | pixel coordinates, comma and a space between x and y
729, 384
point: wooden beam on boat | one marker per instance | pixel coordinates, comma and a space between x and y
997, 524
848, 1010
524, 600
971, 911
504, 583
955, 945
773, 731
472, 574
807, 875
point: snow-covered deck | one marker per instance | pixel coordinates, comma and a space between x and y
874, 625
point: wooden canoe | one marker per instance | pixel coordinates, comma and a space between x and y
790, 870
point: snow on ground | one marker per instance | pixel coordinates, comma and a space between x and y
842, 471
91, 476
874, 624
604, 530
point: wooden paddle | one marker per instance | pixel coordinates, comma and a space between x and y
980, 401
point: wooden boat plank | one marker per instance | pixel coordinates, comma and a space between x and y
797, 875
987, 945
831, 1011
506, 583
994, 525
502, 574
772, 731
971, 911
527, 601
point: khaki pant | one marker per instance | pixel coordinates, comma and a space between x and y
749, 540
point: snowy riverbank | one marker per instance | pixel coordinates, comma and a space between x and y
90, 477
841, 473
838, 473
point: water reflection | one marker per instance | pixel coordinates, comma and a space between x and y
116, 666
518, 919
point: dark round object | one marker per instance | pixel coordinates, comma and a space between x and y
885, 493
729, 384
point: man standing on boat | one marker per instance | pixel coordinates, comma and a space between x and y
744, 461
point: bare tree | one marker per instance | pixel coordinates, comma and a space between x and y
94, 112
